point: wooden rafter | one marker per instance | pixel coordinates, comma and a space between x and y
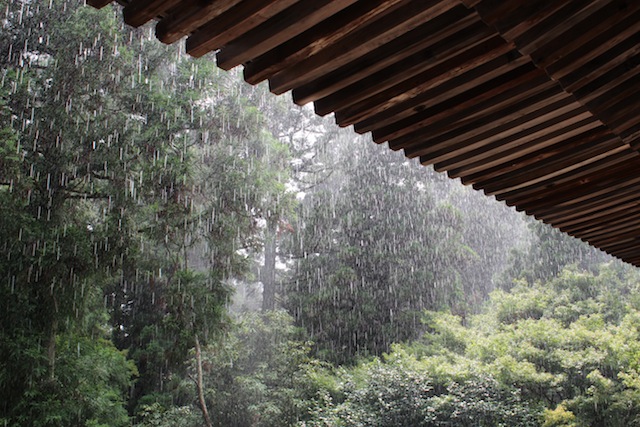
534, 102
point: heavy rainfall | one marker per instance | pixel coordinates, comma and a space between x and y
179, 248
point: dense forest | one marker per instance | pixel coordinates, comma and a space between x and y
179, 248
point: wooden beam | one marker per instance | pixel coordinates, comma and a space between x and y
555, 28
360, 42
591, 38
607, 222
139, 12
552, 167
581, 185
562, 188
518, 151
403, 131
398, 61
530, 109
233, 23
520, 124
278, 30
98, 4
598, 213
594, 85
188, 16
324, 34
427, 89
582, 210
377, 83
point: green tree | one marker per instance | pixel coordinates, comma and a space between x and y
402, 390
547, 254
567, 345
373, 250
128, 170
259, 374
56, 243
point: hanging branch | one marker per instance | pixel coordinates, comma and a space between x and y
199, 384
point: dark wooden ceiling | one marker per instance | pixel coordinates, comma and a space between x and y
535, 102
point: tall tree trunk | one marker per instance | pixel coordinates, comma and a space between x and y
268, 272
51, 345
200, 386
51, 348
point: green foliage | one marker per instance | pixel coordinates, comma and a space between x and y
261, 374
130, 175
370, 261
87, 385
135, 183
559, 417
403, 392
156, 415
560, 354
548, 253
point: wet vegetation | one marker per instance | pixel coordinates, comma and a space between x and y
178, 248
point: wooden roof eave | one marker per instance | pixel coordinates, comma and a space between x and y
532, 101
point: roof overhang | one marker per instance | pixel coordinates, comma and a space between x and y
535, 102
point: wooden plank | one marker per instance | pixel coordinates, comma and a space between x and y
233, 23
562, 199
575, 186
611, 227
598, 213
626, 124
319, 37
623, 247
427, 89
513, 122
357, 44
449, 94
513, 18
611, 200
494, 12
278, 30
470, 3
582, 191
554, 166
583, 200
577, 213
338, 97
558, 190
622, 115
405, 129
499, 116
398, 72
621, 66
604, 222
632, 137
606, 103
604, 218
399, 61
559, 26
188, 16
581, 204
545, 185
564, 144
98, 4
511, 119
518, 151
611, 236
139, 12
529, 15
607, 34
